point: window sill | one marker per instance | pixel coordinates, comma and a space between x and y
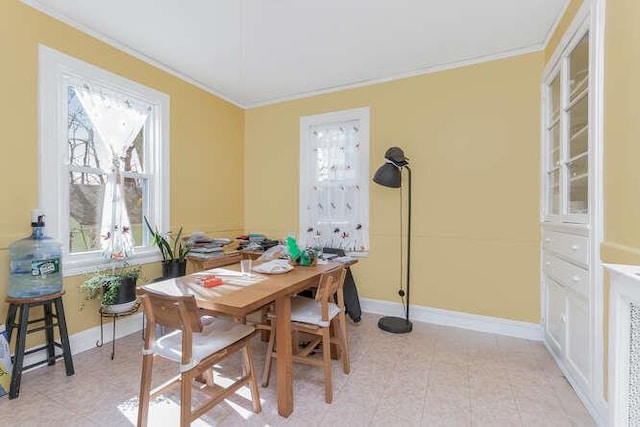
359, 254
75, 265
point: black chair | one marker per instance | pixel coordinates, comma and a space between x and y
351, 299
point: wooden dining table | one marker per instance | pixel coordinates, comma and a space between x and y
240, 295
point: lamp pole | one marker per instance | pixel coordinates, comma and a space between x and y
408, 240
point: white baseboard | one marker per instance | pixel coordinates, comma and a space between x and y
87, 339
474, 322
597, 410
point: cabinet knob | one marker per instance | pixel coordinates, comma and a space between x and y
574, 247
564, 318
576, 278
547, 239
548, 263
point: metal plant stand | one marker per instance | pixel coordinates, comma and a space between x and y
105, 314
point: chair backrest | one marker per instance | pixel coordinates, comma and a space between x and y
177, 312
331, 283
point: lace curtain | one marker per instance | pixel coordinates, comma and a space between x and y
336, 212
117, 120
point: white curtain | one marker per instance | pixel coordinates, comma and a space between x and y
117, 121
336, 212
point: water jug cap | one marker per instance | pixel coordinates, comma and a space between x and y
37, 218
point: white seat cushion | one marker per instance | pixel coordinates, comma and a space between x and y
216, 334
307, 310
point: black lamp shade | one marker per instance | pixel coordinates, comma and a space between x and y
388, 175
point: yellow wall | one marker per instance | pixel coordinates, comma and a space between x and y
472, 135
565, 21
621, 142
622, 133
206, 139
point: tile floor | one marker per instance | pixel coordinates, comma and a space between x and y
435, 376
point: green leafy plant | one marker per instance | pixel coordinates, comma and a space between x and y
172, 246
105, 281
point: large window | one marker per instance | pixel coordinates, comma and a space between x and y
334, 180
103, 161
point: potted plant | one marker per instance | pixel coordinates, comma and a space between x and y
116, 285
174, 251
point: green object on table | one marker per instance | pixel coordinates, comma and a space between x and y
293, 249
304, 257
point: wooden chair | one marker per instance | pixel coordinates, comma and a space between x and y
197, 344
316, 317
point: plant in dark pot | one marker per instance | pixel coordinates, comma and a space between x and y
174, 251
115, 285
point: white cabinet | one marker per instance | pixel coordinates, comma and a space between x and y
571, 202
555, 316
566, 281
578, 347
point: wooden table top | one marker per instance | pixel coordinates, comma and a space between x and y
240, 295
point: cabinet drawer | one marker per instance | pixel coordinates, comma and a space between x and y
570, 246
570, 275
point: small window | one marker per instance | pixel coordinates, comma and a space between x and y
103, 161
334, 180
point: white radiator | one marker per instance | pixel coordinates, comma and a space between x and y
624, 345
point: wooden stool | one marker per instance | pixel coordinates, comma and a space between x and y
23, 305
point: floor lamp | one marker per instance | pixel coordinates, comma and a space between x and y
390, 175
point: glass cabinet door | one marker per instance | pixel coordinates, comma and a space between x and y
567, 135
578, 124
553, 148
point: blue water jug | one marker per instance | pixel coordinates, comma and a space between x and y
35, 263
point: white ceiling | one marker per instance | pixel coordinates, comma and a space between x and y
253, 52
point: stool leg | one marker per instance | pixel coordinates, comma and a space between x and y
113, 339
16, 376
11, 320
48, 324
64, 337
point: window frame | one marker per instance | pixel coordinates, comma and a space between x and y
363, 115
55, 72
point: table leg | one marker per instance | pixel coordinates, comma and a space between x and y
284, 378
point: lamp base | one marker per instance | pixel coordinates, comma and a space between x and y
395, 325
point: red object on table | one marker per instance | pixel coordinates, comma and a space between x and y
211, 281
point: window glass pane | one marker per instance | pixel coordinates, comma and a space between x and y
579, 68
578, 127
337, 151
134, 190
578, 194
554, 146
134, 155
579, 142
85, 147
578, 166
86, 193
554, 106
553, 192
